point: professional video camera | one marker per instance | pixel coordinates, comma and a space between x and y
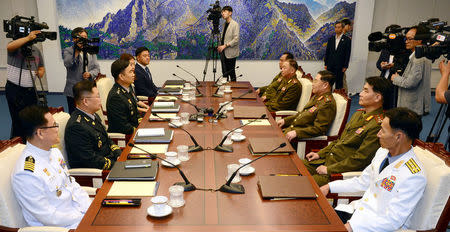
19, 27
88, 45
215, 13
437, 41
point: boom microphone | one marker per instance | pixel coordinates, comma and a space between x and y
217, 90
226, 73
218, 114
197, 82
199, 94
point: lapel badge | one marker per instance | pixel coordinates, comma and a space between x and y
312, 109
283, 89
369, 118
99, 143
359, 130
129, 101
320, 98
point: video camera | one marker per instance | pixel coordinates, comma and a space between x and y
215, 13
19, 27
393, 40
437, 41
88, 45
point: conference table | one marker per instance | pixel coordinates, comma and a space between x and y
214, 210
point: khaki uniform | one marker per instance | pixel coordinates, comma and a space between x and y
315, 119
283, 94
263, 89
354, 150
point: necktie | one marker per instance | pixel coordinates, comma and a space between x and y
384, 164
148, 72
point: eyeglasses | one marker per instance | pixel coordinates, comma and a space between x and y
55, 125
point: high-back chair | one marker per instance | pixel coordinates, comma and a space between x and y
306, 82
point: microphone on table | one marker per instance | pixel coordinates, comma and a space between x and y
198, 84
192, 148
225, 148
220, 114
217, 90
226, 73
188, 186
199, 94
229, 187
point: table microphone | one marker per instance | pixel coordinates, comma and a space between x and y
188, 186
197, 82
192, 148
226, 73
225, 148
219, 114
199, 94
229, 187
217, 90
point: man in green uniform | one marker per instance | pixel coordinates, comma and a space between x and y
283, 58
87, 143
356, 147
285, 93
318, 114
121, 105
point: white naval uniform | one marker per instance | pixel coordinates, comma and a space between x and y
390, 196
47, 195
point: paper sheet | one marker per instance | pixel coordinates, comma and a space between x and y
133, 188
152, 148
259, 122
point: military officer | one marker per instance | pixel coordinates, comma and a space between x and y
357, 145
318, 113
46, 193
394, 182
283, 58
285, 93
87, 143
123, 115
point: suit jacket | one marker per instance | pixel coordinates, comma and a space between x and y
390, 196
232, 39
336, 59
88, 144
414, 85
74, 67
384, 57
123, 115
144, 83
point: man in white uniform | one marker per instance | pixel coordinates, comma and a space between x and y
41, 183
393, 183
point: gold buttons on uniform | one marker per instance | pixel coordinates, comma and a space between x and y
375, 195
361, 208
366, 200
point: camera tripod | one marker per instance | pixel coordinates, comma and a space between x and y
212, 53
434, 137
41, 97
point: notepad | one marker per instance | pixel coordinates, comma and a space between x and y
162, 115
173, 86
133, 188
259, 122
150, 132
152, 148
163, 104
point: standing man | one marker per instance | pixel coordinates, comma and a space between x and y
414, 85
121, 105
46, 193
20, 90
283, 58
229, 44
394, 181
357, 145
144, 82
86, 139
73, 60
337, 54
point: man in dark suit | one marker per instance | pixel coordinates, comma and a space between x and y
144, 83
87, 143
337, 54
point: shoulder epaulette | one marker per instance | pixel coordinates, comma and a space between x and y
412, 166
29, 164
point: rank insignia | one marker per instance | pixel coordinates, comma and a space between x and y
312, 109
29, 164
279, 79
359, 130
99, 143
412, 166
369, 118
283, 89
388, 184
46, 171
320, 98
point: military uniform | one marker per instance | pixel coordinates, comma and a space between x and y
315, 119
123, 115
354, 150
283, 94
46, 193
88, 144
390, 195
263, 89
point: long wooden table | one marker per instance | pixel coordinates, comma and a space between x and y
218, 211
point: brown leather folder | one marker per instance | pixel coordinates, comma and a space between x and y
236, 93
239, 85
249, 111
285, 187
259, 146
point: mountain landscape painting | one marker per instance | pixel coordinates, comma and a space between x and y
180, 29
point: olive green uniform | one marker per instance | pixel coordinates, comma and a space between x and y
263, 89
315, 119
353, 151
283, 94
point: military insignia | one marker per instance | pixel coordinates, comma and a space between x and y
62, 163
129, 101
79, 118
312, 109
320, 98
29, 164
87, 119
139, 120
99, 143
379, 118
327, 99
118, 91
388, 184
283, 89
107, 164
46, 171
360, 130
58, 192
114, 147
280, 79
369, 118
412, 166
399, 164
393, 178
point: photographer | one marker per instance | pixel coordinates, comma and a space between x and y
19, 89
442, 92
73, 60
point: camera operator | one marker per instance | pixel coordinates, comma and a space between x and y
19, 89
414, 85
73, 60
442, 92
229, 48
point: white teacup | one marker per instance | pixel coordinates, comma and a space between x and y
186, 96
171, 156
227, 88
159, 204
243, 162
228, 141
238, 133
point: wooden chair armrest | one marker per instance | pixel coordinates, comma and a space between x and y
285, 112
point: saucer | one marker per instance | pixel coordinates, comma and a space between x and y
238, 139
176, 162
151, 211
230, 108
246, 171
176, 124
228, 91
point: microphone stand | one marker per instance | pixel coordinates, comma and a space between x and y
226, 73
219, 114
197, 83
229, 187
188, 186
199, 94
218, 86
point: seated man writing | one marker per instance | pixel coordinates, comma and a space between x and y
283, 58
318, 114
